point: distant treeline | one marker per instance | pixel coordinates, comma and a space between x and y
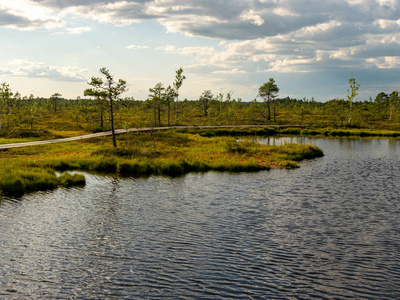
92, 114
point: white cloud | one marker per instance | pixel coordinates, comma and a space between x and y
393, 4
135, 47
388, 62
28, 15
78, 30
74, 31
4, 71
283, 12
253, 17
25, 68
355, 2
119, 13
310, 32
340, 54
388, 24
288, 65
188, 51
230, 72
280, 36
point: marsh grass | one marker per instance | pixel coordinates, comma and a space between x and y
69, 180
140, 154
17, 179
236, 132
295, 131
234, 146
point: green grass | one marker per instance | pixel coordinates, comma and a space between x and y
296, 131
68, 180
140, 154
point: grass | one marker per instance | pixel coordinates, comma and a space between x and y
170, 153
140, 154
296, 131
68, 180
18, 178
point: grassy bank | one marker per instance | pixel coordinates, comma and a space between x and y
296, 131
140, 154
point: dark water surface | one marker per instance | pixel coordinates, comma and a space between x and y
330, 229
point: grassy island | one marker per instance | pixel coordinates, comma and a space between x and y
171, 153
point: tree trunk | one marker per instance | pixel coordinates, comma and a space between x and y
176, 110
350, 113
155, 114
169, 108
159, 113
112, 122
101, 118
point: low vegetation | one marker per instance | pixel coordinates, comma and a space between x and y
175, 152
295, 131
169, 153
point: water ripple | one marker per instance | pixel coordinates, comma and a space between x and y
327, 230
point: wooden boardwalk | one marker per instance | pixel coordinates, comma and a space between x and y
120, 131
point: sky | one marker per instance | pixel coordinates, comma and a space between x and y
310, 47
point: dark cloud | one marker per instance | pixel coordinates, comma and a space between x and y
20, 22
72, 3
242, 29
232, 19
379, 50
7, 19
285, 35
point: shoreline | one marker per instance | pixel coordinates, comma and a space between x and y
144, 153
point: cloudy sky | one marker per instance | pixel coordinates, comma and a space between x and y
310, 47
